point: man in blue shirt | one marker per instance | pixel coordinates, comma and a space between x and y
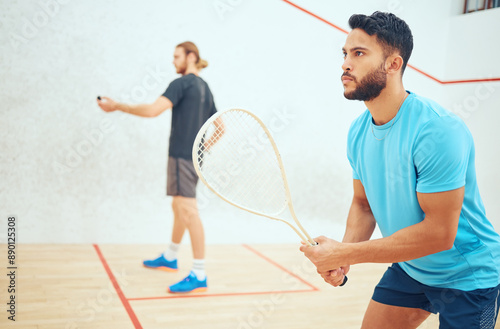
414, 176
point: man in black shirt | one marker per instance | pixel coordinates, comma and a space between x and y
192, 104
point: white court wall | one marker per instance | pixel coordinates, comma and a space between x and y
72, 173
472, 41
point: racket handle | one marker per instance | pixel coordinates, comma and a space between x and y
345, 281
345, 276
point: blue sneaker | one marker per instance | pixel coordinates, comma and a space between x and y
189, 284
161, 263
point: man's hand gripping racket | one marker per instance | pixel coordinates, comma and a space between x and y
236, 157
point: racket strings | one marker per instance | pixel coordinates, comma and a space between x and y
216, 134
242, 164
266, 178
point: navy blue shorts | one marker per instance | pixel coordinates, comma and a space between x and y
457, 308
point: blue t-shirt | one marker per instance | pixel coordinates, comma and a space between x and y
426, 149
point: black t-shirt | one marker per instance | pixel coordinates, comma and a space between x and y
193, 104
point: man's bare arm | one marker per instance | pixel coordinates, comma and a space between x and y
360, 221
220, 129
142, 110
435, 233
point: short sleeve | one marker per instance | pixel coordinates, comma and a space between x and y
174, 92
213, 110
354, 173
441, 155
350, 147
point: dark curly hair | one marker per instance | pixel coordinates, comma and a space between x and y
392, 32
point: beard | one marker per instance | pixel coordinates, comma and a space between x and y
181, 69
369, 87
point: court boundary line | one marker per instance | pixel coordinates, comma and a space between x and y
220, 295
280, 267
409, 65
121, 295
133, 317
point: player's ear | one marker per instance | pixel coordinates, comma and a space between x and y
191, 57
393, 64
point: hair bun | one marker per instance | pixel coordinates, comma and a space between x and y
202, 63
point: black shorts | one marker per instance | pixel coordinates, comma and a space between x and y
181, 178
456, 308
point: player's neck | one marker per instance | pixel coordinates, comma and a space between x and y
192, 69
386, 106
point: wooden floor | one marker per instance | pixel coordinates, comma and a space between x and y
250, 286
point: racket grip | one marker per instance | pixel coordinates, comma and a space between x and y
345, 276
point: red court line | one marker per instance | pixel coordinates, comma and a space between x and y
313, 288
280, 267
316, 16
223, 295
119, 291
410, 66
452, 81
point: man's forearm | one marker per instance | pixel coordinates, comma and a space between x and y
220, 130
435, 233
142, 110
412, 242
360, 224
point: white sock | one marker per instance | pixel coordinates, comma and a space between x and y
171, 253
199, 269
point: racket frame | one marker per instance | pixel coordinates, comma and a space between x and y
302, 233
